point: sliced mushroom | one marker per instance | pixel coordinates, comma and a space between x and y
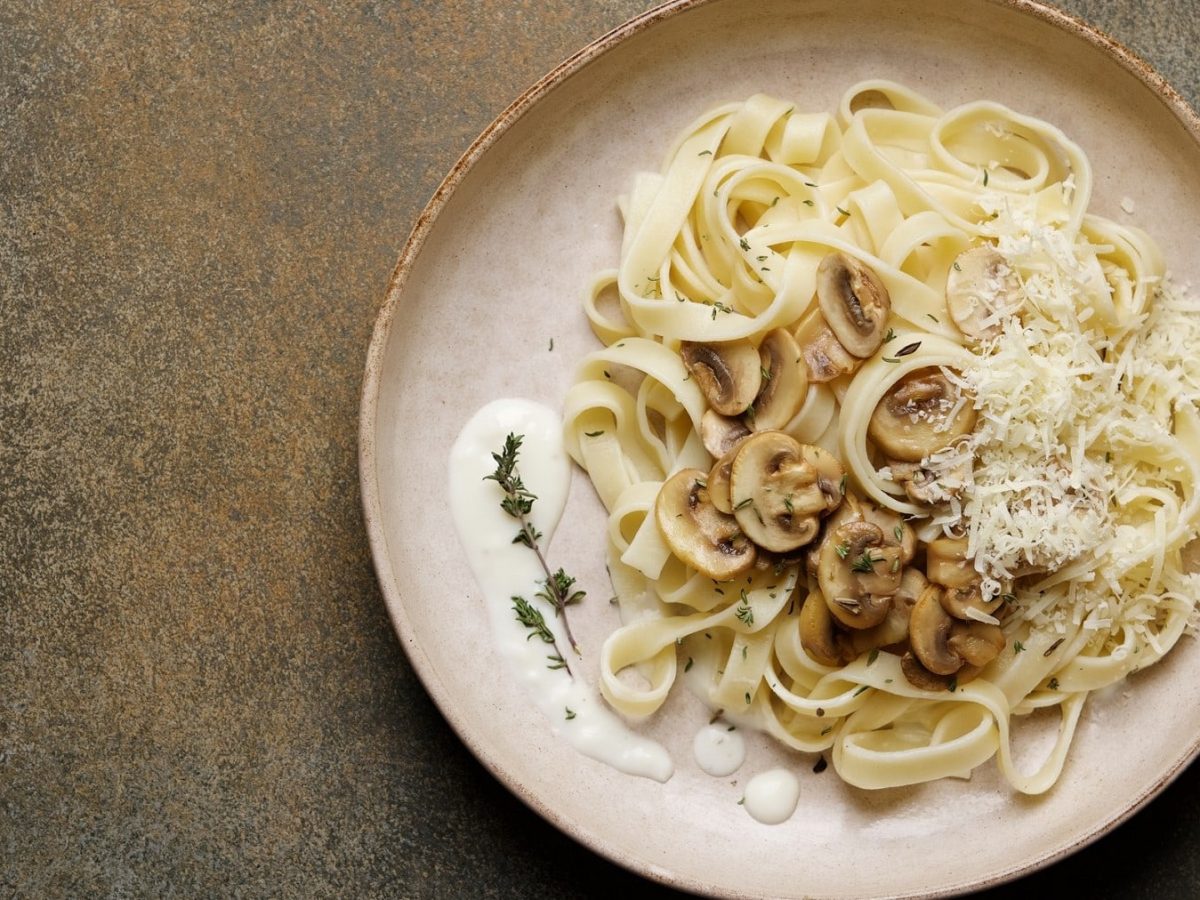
824, 357
777, 563
929, 634
777, 493
967, 674
946, 563
920, 415
920, 483
720, 434
957, 600
895, 530
784, 381
979, 286
850, 510
728, 373
858, 574
976, 643
948, 647
920, 677
855, 509
861, 612
697, 532
818, 635
912, 585
718, 483
854, 302
893, 630
831, 477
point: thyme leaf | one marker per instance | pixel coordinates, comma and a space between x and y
865, 563
744, 612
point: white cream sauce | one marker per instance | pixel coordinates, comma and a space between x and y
718, 750
504, 569
771, 796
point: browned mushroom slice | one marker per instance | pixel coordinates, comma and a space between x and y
850, 510
818, 635
927, 487
893, 630
784, 383
920, 677
977, 643
958, 600
919, 483
824, 357
777, 495
967, 674
858, 573
895, 530
929, 634
718, 483
697, 532
861, 612
854, 302
920, 415
946, 563
728, 373
831, 476
777, 563
979, 288
912, 585
720, 434
945, 646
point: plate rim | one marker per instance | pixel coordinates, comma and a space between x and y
1064, 21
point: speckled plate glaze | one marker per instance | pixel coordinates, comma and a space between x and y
494, 270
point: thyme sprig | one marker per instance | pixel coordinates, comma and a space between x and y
558, 588
533, 619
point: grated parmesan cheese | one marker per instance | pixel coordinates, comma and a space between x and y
1075, 423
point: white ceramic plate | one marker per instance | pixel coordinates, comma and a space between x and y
494, 270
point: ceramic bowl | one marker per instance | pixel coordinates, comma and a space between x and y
494, 272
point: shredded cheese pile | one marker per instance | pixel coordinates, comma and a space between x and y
1076, 472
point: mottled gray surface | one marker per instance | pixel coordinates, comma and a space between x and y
200, 693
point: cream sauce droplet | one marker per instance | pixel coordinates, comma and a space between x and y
504, 570
771, 796
718, 750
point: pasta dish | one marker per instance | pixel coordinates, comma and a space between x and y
898, 442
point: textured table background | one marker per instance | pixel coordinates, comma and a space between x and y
200, 692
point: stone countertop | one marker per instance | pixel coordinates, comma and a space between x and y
200, 691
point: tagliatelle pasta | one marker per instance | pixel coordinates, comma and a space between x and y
1062, 381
